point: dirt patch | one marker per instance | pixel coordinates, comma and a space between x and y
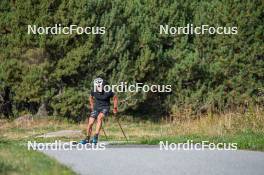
63, 133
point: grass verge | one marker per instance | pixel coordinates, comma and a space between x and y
16, 159
247, 140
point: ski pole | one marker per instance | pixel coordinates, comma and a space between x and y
121, 128
104, 132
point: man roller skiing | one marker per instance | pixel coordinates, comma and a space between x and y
100, 107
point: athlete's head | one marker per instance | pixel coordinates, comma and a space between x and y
98, 84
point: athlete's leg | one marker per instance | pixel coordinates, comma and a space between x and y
90, 127
100, 118
99, 123
91, 120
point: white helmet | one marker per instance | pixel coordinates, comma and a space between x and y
98, 82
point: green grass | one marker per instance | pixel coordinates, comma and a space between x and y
244, 140
16, 159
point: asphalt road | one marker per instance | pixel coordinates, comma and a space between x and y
150, 160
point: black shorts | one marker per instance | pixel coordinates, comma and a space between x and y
96, 112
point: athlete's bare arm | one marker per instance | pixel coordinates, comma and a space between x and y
115, 99
91, 100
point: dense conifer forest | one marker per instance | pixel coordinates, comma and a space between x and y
208, 73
